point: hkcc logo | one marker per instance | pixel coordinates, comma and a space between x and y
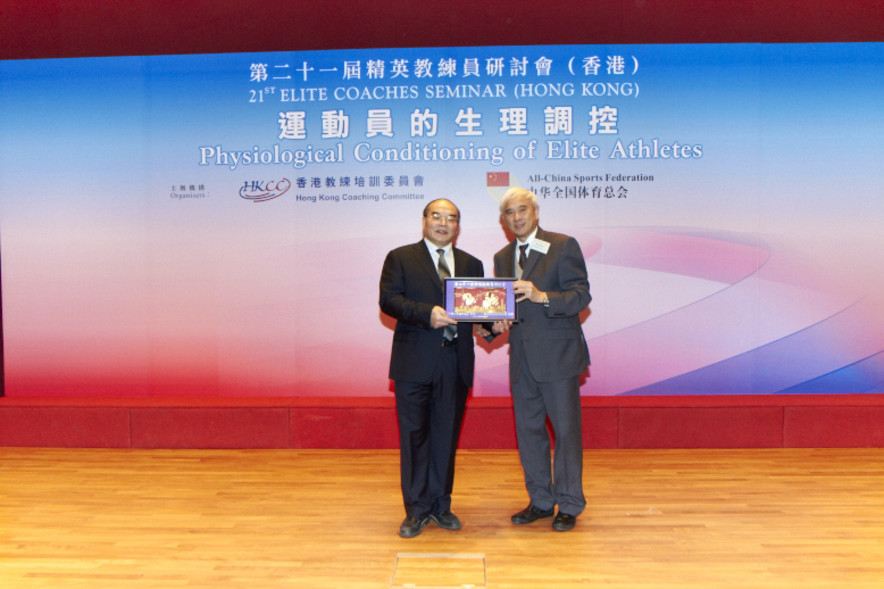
261, 190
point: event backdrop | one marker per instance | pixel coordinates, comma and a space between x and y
216, 224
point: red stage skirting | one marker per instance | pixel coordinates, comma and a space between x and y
839, 421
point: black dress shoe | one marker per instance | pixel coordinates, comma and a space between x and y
411, 526
564, 522
446, 520
530, 514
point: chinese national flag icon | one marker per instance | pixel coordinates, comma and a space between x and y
498, 179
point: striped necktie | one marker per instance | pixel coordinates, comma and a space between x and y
522, 258
450, 330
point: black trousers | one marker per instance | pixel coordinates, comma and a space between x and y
430, 416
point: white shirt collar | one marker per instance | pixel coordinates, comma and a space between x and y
432, 247
530, 237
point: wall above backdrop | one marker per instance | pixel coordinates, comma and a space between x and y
74, 28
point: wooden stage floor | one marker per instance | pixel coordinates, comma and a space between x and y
317, 519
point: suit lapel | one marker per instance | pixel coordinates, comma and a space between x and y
460, 262
509, 260
426, 261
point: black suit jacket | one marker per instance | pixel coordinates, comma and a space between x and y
410, 287
551, 337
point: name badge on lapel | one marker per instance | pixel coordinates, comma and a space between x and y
539, 245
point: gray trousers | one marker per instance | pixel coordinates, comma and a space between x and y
559, 482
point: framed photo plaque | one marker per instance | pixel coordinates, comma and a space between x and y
480, 299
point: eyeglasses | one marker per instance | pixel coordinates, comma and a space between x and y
438, 217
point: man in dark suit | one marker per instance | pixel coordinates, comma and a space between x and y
548, 353
431, 364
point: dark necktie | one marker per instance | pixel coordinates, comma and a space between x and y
450, 330
522, 257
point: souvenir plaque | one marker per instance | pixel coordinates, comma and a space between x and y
480, 299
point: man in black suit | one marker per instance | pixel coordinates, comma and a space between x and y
548, 353
431, 364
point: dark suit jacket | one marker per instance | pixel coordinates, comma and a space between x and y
551, 337
410, 288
